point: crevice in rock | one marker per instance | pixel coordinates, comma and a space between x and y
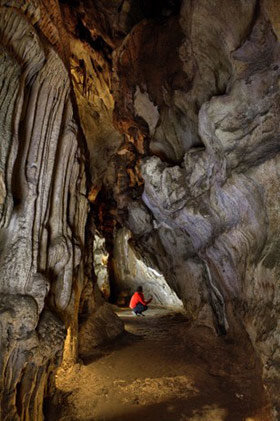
217, 303
98, 43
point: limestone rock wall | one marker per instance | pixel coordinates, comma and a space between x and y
178, 102
98, 323
43, 206
131, 269
91, 74
55, 94
202, 86
100, 259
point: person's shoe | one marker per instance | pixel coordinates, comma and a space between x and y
134, 314
141, 314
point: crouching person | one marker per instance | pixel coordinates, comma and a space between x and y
138, 304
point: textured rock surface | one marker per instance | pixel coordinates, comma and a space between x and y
100, 260
29, 348
131, 270
196, 96
179, 105
191, 63
43, 208
203, 86
98, 324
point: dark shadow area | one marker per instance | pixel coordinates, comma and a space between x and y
196, 408
122, 341
98, 44
159, 8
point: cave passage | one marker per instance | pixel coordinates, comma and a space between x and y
140, 145
162, 369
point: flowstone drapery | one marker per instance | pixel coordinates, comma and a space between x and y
43, 207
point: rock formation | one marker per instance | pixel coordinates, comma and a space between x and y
43, 205
203, 87
132, 269
155, 119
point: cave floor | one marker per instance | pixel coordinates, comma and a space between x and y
163, 370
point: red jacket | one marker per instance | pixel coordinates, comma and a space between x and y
138, 297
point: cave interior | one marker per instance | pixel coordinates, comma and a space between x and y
140, 145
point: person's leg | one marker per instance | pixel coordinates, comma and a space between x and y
137, 310
140, 308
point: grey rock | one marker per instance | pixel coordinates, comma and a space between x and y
99, 326
131, 270
100, 260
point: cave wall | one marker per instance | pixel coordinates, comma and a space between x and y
178, 102
46, 266
43, 204
202, 87
90, 66
195, 86
132, 270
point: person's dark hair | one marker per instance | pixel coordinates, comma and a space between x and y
139, 289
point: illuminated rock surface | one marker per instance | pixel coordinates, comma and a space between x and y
131, 271
161, 118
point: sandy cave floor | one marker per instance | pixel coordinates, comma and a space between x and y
161, 369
